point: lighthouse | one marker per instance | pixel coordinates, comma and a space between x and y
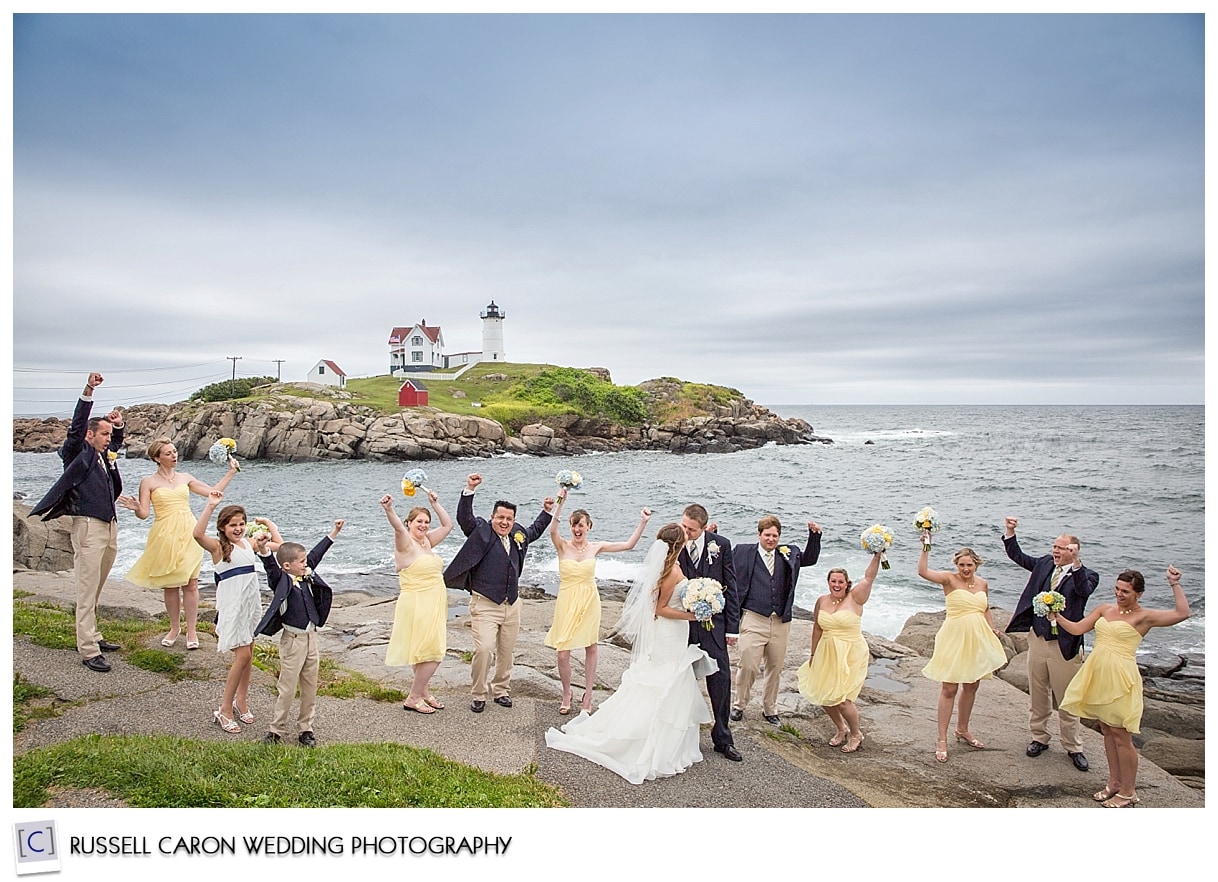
492, 333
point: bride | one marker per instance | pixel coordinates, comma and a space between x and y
648, 728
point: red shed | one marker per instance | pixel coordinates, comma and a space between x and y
412, 393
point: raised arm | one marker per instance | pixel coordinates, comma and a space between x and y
197, 486
1159, 618
862, 588
401, 537
939, 577
644, 517
209, 543
812, 550
555, 535
465, 506
1081, 627
1011, 544
437, 535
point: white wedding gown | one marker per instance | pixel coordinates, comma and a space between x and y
648, 728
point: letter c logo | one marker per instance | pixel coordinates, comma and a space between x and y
29, 841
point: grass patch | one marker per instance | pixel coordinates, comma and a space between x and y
351, 684
30, 703
54, 627
161, 771
790, 730
18, 594
158, 661
467, 657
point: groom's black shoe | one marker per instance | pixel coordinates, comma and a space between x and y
1080, 761
478, 707
772, 719
1036, 748
736, 715
730, 752
504, 701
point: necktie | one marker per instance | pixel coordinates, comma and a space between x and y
306, 588
693, 553
1056, 580
769, 561
506, 546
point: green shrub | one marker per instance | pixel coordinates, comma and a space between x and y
230, 389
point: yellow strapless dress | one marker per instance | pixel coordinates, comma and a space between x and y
577, 612
966, 649
420, 620
840, 667
1108, 687
171, 557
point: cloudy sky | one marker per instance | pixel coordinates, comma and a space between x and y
813, 209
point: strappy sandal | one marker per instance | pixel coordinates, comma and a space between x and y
969, 740
1130, 801
434, 702
244, 716
941, 755
168, 640
421, 706
840, 738
1103, 795
848, 749
225, 723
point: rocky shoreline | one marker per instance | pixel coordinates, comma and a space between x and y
897, 706
308, 423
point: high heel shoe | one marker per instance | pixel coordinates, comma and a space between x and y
940, 755
225, 723
840, 738
244, 716
969, 740
846, 748
1104, 795
169, 639
1130, 801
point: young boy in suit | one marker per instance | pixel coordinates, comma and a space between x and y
300, 606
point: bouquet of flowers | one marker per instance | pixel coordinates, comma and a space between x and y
222, 451
877, 539
569, 480
927, 521
702, 597
1048, 602
253, 529
413, 480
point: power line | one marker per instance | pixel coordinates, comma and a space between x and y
176, 367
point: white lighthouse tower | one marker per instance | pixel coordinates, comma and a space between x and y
492, 333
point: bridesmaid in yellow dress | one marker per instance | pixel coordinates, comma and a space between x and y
577, 612
1108, 687
420, 620
171, 558
833, 675
967, 649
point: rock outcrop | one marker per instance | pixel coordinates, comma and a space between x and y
288, 426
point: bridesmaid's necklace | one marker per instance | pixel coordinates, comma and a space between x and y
1126, 612
170, 478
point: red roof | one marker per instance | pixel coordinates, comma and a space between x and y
399, 335
332, 366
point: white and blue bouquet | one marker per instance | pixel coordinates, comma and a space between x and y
413, 480
704, 598
1047, 602
221, 453
569, 480
927, 521
877, 539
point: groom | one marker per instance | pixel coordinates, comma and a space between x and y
709, 555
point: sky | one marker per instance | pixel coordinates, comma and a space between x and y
812, 209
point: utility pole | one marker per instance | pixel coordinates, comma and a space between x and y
232, 386
278, 362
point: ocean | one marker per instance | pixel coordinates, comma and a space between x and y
1129, 481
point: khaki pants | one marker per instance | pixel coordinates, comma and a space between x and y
1048, 676
495, 626
762, 639
94, 545
299, 659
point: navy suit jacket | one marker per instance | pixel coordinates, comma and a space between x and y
717, 565
491, 575
281, 583
79, 460
786, 567
1076, 588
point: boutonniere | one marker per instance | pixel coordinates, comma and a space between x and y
712, 551
519, 537
785, 551
111, 457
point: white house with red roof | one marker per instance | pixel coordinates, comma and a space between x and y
419, 347
328, 373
